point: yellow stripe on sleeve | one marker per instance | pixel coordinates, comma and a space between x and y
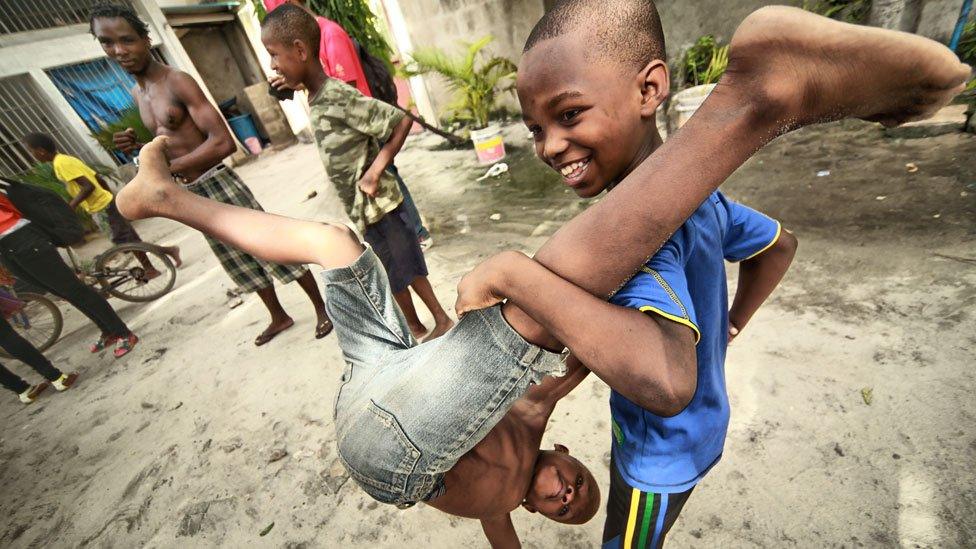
779, 229
674, 318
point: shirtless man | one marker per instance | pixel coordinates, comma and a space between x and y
456, 422
172, 104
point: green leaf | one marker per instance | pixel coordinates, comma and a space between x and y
475, 81
267, 529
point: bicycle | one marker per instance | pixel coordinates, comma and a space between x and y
120, 272
35, 317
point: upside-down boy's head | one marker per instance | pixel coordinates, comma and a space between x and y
592, 75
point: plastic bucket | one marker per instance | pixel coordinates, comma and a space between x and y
686, 102
488, 144
244, 128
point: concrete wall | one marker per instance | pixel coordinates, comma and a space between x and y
684, 21
443, 23
938, 18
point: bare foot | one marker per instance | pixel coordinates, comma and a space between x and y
273, 330
440, 329
174, 253
149, 274
418, 330
813, 69
149, 189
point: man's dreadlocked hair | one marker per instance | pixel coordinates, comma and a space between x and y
116, 11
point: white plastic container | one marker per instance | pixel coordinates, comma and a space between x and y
686, 102
488, 144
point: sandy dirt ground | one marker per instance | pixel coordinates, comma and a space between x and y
172, 446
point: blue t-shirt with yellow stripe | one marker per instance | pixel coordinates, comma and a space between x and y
685, 282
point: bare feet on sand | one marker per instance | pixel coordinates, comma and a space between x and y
802, 68
440, 329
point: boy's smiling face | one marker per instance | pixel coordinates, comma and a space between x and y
592, 119
288, 60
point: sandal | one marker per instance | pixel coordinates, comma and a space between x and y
268, 334
323, 329
103, 343
125, 345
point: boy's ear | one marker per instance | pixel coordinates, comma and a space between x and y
560, 448
655, 80
301, 49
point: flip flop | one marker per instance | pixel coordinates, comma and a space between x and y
267, 335
125, 345
323, 329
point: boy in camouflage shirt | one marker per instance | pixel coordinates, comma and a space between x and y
357, 138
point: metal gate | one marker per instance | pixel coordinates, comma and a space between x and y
23, 110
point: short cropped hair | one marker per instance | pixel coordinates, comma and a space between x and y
288, 23
41, 141
113, 11
625, 30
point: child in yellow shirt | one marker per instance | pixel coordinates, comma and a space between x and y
90, 193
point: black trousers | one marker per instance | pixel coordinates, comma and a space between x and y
30, 256
22, 350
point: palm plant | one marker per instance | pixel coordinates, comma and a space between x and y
129, 118
705, 62
475, 80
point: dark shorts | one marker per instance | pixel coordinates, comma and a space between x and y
395, 242
638, 519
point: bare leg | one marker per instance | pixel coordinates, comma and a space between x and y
323, 325
147, 266
787, 68
270, 237
425, 292
280, 321
405, 302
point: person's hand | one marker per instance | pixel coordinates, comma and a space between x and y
483, 286
277, 81
369, 184
126, 141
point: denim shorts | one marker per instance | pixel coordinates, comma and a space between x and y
405, 412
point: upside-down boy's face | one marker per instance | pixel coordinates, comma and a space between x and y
588, 117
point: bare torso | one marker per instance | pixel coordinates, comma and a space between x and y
493, 478
164, 113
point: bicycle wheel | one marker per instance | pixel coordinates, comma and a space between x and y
121, 272
39, 322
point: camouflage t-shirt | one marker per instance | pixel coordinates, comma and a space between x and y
348, 129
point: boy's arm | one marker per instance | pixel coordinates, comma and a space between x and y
758, 277
545, 395
646, 358
85, 188
370, 181
501, 532
218, 143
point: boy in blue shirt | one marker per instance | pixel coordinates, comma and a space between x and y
658, 455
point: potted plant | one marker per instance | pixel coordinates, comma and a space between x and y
476, 80
701, 67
